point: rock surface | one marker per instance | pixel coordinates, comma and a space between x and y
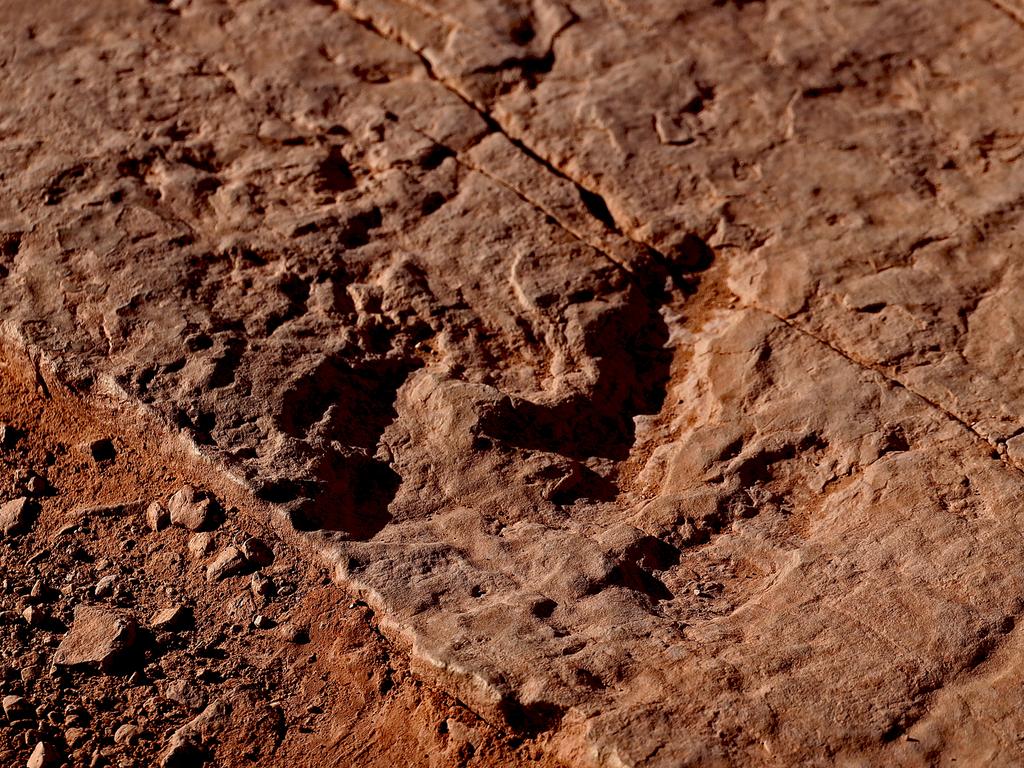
650, 368
99, 637
15, 516
334, 691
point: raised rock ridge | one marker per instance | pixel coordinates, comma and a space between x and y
649, 366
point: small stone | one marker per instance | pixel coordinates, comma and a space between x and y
157, 517
127, 734
192, 509
8, 436
74, 736
461, 733
43, 755
17, 708
201, 544
38, 557
99, 637
258, 552
16, 516
184, 748
116, 509
41, 593
101, 450
262, 586
35, 486
105, 586
36, 617
292, 633
30, 673
182, 751
230, 562
172, 619
263, 622
186, 693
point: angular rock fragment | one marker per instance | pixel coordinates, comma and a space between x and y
157, 516
43, 756
229, 562
171, 619
99, 637
293, 633
35, 485
16, 516
186, 747
74, 736
17, 708
192, 509
257, 552
201, 544
41, 592
127, 734
186, 693
8, 436
105, 586
262, 586
35, 616
184, 750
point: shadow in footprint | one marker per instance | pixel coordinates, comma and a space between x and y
340, 410
633, 373
351, 495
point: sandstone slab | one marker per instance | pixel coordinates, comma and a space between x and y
99, 637
649, 367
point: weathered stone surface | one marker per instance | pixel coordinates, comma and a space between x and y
192, 509
17, 708
228, 562
99, 637
157, 516
171, 619
16, 516
650, 367
43, 756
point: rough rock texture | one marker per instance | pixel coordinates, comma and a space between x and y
300, 667
650, 367
99, 637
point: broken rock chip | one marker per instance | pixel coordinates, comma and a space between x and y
186, 747
157, 516
230, 562
35, 616
16, 516
172, 619
35, 485
257, 552
99, 637
43, 755
186, 693
192, 509
8, 436
201, 544
18, 708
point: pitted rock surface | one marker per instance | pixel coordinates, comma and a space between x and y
649, 367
